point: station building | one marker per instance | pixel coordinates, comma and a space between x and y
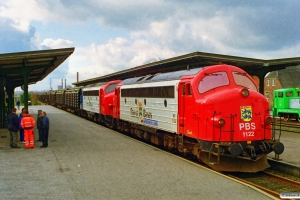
285, 78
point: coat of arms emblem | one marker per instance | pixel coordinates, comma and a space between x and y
246, 113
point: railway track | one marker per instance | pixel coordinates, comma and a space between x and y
273, 184
290, 126
270, 183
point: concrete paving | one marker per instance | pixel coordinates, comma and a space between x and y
289, 160
87, 161
291, 143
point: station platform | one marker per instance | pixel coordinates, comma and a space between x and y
87, 161
289, 160
291, 143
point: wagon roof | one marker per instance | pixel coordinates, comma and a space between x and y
162, 76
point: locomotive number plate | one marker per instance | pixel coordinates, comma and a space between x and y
248, 134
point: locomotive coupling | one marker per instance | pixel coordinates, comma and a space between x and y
278, 147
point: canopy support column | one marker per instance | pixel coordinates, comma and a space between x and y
2, 103
10, 100
25, 75
261, 76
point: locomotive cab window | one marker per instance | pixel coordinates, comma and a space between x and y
212, 81
183, 90
110, 88
243, 80
187, 89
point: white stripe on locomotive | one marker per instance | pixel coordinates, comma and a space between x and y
91, 103
156, 115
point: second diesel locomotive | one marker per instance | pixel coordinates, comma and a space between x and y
286, 102
214, 113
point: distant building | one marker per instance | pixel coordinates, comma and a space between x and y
286, 78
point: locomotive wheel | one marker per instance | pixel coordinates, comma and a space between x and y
286, 117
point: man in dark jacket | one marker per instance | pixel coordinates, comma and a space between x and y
45, 129
39, 124
13, 127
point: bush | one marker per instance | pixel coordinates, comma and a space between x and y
36, 102
22, 97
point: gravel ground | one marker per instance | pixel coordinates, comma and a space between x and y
87, 161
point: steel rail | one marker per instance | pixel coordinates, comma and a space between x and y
272, 177
284, 179
273, 193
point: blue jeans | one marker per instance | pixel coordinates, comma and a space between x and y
45, 132
21, 135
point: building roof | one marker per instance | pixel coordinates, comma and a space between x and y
37, 63
194, 60
290, 77
272, 75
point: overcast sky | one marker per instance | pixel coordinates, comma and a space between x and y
114, 35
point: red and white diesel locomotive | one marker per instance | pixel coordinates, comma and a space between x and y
214, 113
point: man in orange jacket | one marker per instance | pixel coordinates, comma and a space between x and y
28, 123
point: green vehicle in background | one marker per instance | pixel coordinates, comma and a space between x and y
287, 103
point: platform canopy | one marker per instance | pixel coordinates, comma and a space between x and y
37, 65
23, 69
255, 67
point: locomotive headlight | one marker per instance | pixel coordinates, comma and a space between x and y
245, 92
221, 122
218, 122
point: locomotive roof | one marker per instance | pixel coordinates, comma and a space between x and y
286, 89
162, 76
95, 85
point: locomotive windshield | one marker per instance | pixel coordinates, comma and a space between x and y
111, 88
213, 80
242, 80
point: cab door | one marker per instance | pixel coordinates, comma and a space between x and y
187, 113
181, 107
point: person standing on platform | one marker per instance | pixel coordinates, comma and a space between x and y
20, 127
13, 127
18, 104
28, 124
39, 124
45, 129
